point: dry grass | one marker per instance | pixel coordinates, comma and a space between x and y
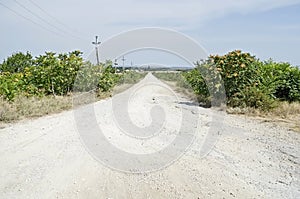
185, 91
121, 88
285, 114
244, 111
23, 107
286, 110
32, 107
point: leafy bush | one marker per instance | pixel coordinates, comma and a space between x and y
253, 96
248, 82
197, 82
108, 78
17, 63
238, 70
10, 84
282, 79
52, 74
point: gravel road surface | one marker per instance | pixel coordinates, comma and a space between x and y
47, 158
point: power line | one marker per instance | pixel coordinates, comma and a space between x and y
36, 15
47, 13
45, 21
28, 19
55, 19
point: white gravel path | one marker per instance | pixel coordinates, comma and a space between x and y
45, 157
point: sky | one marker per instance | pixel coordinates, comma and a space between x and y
265, 28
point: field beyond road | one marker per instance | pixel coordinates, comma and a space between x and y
45, 157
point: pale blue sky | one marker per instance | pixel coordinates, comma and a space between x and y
266, 28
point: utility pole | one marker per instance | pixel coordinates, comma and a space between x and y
116, 65
96, 43
123, 59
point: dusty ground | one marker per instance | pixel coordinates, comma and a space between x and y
46, 158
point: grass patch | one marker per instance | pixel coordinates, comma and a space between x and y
168, 76
288, 114
284, 114
24, 107
286, 109
129, 79
283, 110
132, 77
32, 107
176, 81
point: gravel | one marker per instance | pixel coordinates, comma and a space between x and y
46, 158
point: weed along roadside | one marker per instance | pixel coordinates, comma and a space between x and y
255, 88
33, 87
43, 85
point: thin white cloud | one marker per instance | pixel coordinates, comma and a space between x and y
108, 17
139, 11
142, 12
176, 14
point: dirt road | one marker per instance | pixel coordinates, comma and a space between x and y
46, 157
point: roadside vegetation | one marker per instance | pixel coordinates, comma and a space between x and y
252, 86
32, 87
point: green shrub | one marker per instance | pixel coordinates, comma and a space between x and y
282, 79
17, 63
253, 96
10, 84
238, 71
108, 78
248, 82
197, 82
52, 74
102, 78
206, 82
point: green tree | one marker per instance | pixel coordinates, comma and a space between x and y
17, 62
282, 79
